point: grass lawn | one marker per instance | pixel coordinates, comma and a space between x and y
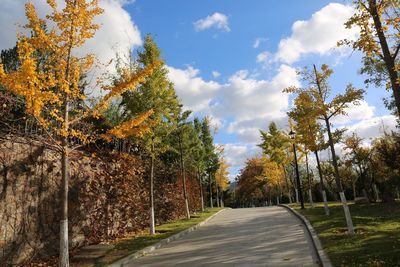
133, 243
377, 239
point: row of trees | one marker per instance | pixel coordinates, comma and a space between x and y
363, 167
44, 81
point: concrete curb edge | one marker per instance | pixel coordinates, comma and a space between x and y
322, 257
122, 262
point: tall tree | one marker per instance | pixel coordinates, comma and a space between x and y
319, 92
251, 182
184, 135
274, 175
275, 144
51, 88
309, 133
259, 177
222, 178
157, 94
379, 40
198, 152
210, 155
359, 157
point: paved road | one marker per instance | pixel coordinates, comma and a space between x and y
268, 236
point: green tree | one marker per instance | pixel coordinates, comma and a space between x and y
184, 136
275, 144
157, 94
210, 155
198, 152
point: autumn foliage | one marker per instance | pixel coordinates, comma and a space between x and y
259, 181
109, 146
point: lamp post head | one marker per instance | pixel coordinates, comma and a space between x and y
292, 134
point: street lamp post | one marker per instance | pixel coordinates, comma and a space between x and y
292, 135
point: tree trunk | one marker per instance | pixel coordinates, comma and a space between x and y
211, 198
287, 184
333, 153
152, 220
270, 198
64, 246
322, 187
201, 190
222, 198
375, 189
300, 193
339, 187
221, 193
388, 58
187, 211
309, 182
217, 191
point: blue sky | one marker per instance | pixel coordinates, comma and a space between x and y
230, 49
222, 71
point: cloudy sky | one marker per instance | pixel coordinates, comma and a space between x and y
230, 60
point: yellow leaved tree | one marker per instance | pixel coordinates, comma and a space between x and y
324, 107
310, 134
379, 39
222, 179
53, 87
274, 175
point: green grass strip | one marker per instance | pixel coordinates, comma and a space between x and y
377, 239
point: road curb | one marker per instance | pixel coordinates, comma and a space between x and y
124, 261
321, 255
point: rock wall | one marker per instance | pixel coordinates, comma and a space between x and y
108, 197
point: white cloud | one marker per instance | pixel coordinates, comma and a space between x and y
363, 111
126, 2
368, 129
245, 98
217, 20
117, 35
245, 103
317, 35
373, 127
12, 13
215, 123
195, 93
237, 153
258, 41
263, 57
216, 74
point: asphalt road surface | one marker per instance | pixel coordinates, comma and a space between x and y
269, 236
